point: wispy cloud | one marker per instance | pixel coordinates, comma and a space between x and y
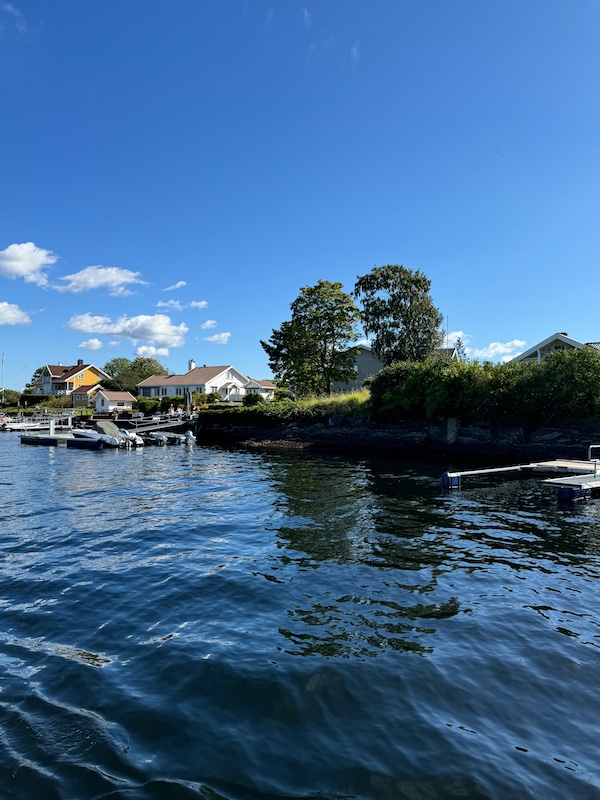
210, 323
11, 314
177, 305
178, 285
91, 344
355, 53
26, 261
218, 338
9, 15
172, 305
306, 15
113, 278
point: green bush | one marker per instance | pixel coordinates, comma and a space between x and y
252, 400
148, 405
564, 388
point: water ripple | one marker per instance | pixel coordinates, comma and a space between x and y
236, 626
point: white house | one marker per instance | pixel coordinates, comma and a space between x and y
110, 402
226, 381
558, 341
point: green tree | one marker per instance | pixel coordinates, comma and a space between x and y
118, 369
126, 374
461, 350
313, 349
37, 374
10, 397
398, 313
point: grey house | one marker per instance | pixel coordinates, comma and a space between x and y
367, 365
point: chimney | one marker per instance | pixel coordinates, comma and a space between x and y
80, 362
191, 364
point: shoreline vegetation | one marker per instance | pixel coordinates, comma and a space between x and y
513, 411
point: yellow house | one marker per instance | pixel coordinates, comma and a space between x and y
59, 380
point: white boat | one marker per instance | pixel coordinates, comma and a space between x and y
35, 424
105, 431
90, 433
132, 438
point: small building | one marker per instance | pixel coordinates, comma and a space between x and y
265, 389
113, 402
82, 397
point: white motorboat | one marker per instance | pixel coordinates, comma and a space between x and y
132, 438
105, 431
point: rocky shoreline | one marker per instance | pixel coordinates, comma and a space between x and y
448, 440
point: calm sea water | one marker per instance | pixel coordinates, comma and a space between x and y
197, 623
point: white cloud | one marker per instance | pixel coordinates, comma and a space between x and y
178, 285
147, 351
173, 305
355, 53
26, 261
92, 344
307, 17
210, 323
113, 278
218, 338
176, 305
155, 330
11, 314
502, 351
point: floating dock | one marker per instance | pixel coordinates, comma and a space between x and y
578, 479
65, 441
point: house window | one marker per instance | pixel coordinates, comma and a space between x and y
214, 388
146, 392
163, 391
80, 376
101, 401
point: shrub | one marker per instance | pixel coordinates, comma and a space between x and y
148, 405
564, 388
253, 400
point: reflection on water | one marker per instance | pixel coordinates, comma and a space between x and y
202, 623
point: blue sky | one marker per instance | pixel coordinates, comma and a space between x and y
173, 173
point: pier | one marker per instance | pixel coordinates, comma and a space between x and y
578, 478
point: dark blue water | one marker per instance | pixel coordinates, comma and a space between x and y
198, 623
